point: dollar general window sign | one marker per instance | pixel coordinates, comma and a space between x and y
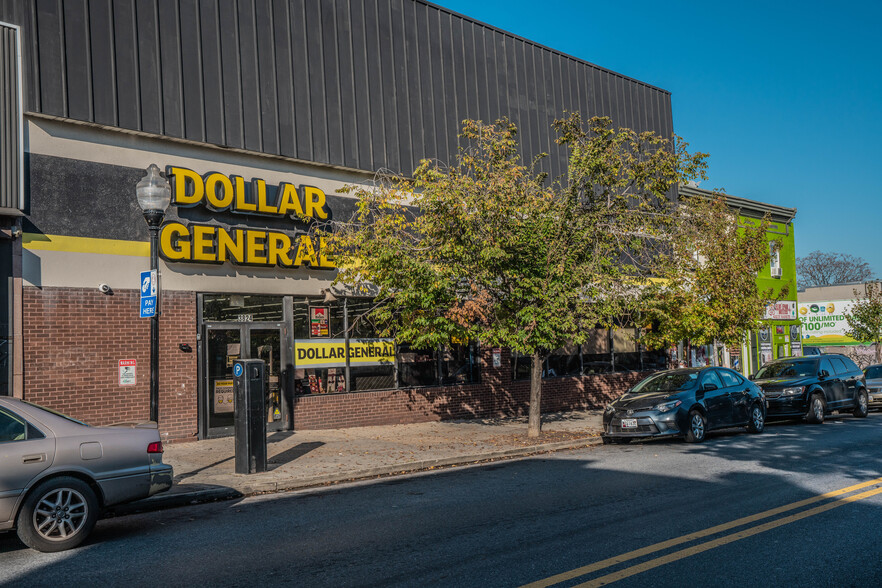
199, 243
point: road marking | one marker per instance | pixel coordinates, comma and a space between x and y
649, 550
690, 551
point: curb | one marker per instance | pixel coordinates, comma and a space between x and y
219, 493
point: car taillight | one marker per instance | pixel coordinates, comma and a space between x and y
155, 447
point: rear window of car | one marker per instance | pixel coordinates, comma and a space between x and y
839, 365
711, 377
874, 372
56, 413
787, 369
668, 381
731, 378
852, 366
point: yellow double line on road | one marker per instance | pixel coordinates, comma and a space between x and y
683, 553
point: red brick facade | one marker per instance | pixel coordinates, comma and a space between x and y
74, 337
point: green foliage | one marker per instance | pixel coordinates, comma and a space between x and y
709, 292
488, 249
865, 316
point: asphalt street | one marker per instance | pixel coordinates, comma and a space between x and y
799, 505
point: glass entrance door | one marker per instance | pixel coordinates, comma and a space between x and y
265, 344
225, 343
223, 347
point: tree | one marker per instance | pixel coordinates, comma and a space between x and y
709, 291
487, 249
820, 268
865, 317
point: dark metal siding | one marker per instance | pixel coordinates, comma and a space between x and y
10, 120
362, 84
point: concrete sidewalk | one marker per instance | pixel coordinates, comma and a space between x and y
205, 470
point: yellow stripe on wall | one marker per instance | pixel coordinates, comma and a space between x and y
40, 242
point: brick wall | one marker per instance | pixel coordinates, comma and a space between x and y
496, 396
74, 338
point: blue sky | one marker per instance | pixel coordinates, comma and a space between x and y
784, 96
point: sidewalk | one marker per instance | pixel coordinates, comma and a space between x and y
205, 470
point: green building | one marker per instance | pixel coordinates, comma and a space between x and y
780, 334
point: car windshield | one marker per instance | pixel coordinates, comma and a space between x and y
874, 372
668, 381
56, 413
788, 369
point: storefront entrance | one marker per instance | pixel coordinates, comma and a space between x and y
225, 341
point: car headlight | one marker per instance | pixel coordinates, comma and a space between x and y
793, 391
667, 406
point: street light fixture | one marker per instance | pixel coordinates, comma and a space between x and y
154, 197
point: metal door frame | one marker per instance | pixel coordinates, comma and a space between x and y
285, 328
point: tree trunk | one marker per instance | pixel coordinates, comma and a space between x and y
878, 352
534, 422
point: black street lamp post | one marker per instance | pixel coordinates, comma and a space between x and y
154, 196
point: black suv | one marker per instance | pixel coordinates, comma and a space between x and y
813, 386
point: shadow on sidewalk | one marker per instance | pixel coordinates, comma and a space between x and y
295, 452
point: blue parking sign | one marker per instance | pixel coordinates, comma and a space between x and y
148, 306
148, 283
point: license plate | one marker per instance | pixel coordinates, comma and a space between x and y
629, 423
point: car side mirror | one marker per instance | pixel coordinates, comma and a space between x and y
823, 374
708, 387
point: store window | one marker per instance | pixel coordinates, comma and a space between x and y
626, 355
566, 361
459, 364
595, 352
241, 308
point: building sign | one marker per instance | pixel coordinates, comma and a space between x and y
128, 375
784, 310
208, 243
823, 323
223, 396
319, 321
330, 353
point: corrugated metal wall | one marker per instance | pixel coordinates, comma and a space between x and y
357, 83
10, 120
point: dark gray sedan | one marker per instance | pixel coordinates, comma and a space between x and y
685, 402
56, 473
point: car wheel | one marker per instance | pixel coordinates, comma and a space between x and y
697, 427
816, 410
59, 514
862, 406
757, 421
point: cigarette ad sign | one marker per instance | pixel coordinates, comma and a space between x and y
784, 310
329, 353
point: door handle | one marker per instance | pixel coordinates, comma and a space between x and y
36, 458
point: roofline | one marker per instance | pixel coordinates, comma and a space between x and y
541, 46
759, 209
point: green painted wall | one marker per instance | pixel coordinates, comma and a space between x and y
781, 342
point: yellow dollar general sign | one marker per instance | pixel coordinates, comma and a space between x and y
200, 243
329, 353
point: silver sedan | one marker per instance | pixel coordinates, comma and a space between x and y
56, 473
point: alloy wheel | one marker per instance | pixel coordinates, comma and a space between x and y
818, 408
757, 418
60, 514
697, 426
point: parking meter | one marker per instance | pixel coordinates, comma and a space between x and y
250, 416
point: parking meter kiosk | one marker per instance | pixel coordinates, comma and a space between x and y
250, 416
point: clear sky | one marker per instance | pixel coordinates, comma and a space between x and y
785, 96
